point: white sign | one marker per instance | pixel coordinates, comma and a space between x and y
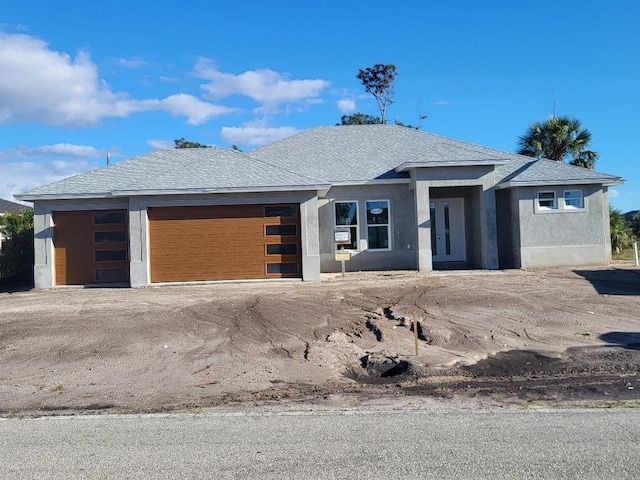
342, 236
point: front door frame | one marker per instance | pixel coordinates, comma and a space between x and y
448, 237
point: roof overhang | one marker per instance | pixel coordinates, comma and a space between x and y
187, 191
605, 182
406, 166
388, 181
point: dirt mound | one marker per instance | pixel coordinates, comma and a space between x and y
482, 337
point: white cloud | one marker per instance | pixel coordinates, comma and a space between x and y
160, 144
45, 86
27, 167
346, 105
132, 63
613, 193
64, 150
267, 87
255, 134
196, 110
442, 103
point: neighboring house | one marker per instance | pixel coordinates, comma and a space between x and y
399, 198
8, 207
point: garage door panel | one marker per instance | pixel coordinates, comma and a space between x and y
218, 243
76, 240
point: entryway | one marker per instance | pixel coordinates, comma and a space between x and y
448, 243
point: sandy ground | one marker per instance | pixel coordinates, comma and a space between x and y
549, 337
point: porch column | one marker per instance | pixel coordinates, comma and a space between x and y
310, 239
43, 268
488, 228
138, 248
423, 220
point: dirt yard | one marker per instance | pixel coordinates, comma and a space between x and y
552, 337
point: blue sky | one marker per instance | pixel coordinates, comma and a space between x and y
79, 79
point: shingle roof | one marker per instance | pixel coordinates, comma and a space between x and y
312, 159
529, 171
10, 207
360, 153
180, 171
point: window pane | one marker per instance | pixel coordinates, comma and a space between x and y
111, 275
346, 213
547, 199
281, 230
110, 255
573, 198
447, 230
282, 249
284, 268
378, 237
434, 243
280, 211
105, 237
109, 217
378, 213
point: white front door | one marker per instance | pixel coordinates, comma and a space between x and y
447, 230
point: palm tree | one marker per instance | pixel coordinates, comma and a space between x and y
559, 138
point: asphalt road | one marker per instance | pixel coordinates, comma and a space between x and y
373, 444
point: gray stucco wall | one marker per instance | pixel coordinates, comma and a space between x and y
564, 237
402, 253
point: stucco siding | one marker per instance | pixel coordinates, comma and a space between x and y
402, 252
562, 236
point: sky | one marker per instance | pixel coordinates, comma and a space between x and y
81, 79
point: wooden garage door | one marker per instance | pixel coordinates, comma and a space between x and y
224, 242
91, 247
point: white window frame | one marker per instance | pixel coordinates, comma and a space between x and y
543, 208
573, 207
388, 225
357, 225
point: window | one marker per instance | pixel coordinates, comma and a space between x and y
346, 214
378, 224
573, 199
106, 237
110, 255
547, 200
109, 217
282, 249
281, 230
282, 268
111, 275
280, 211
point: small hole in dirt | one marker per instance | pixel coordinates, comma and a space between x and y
402, 368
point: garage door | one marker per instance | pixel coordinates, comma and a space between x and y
91, 247
224, 242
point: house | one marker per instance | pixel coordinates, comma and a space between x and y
8, 207
394, 197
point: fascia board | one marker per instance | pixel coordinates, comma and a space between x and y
607, 182
458, 163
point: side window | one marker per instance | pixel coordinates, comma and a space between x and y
378, 224
346, 214
547, 201
573, 199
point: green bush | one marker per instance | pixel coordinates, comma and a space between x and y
621, 233
16, 255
